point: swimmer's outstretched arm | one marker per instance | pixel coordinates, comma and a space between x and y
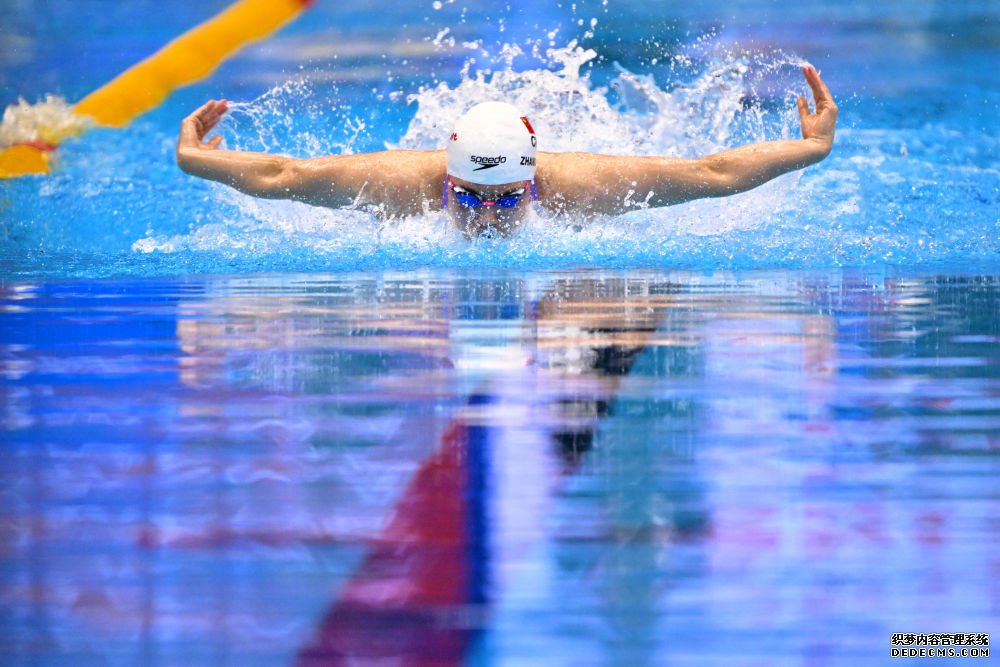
399, 182
604, 184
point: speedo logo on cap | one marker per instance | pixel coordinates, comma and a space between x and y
487, 162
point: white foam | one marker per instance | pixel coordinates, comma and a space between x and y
51, 121
699, 114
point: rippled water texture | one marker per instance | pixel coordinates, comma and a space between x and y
563, 469
914, 177
757, 431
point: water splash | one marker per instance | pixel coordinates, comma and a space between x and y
49, 121
633, 116
896, 195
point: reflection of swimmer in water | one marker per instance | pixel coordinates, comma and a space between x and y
491, 170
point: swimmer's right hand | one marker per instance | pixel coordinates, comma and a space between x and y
198, 124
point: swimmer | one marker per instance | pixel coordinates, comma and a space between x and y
491, 172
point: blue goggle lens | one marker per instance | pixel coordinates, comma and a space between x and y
470, 200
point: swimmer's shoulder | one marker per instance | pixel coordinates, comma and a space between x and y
405, 182
563, 176
406, 168
424, 165
582, 183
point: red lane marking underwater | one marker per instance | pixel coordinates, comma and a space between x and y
416, 595
187, 59
423, 593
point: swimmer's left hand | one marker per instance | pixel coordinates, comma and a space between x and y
199, 123
818, 127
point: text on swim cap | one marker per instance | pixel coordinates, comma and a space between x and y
487, 162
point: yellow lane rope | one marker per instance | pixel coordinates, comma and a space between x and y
189, 58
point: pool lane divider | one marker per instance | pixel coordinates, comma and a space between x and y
187, 59
25, 158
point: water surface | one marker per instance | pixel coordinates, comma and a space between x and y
554, 468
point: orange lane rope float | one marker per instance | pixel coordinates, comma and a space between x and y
27, 138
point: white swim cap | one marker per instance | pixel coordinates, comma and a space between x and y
492, 143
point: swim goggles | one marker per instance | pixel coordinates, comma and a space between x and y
470, 199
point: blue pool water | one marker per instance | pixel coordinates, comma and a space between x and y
567, 468
913, 179
756, 431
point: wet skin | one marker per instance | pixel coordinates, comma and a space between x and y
399, 183
473, 222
